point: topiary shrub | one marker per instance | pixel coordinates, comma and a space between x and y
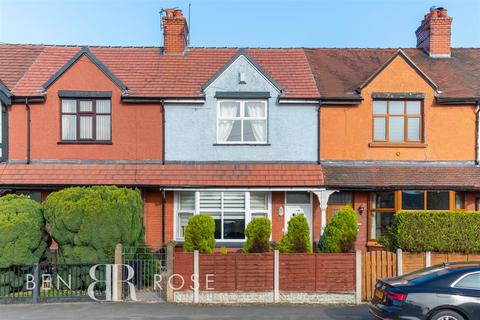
23, 239
297, 238
258, 236
340, 233
436, 231
200, 234
87, 222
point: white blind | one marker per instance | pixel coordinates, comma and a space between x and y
86, 106
103, 127
234, 200
187, 200
69, 106
210, 200
103, 106
69, 127
86, 126
258, 201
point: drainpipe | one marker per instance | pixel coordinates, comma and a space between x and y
27, 105
163, 215
318, 132
162, 106
477, 138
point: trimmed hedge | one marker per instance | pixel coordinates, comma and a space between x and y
297, 239
258, 236
23, 239
87, 222
437, 231
200, 234
340, 233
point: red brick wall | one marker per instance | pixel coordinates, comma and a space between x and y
174, 35
254, 272
278, 200
361, 199
316, 219
152, 218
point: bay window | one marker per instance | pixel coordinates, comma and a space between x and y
242, 121
86, 120
231, 210
397, 121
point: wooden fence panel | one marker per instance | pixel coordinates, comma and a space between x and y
413, 261
222, 269
297, 272
376, 265
335, 272
254, 272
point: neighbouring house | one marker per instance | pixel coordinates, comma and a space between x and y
242, 133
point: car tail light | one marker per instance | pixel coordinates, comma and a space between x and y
396, 296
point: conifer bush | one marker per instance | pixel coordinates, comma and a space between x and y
340, 233
297, 238
258, 236
200, 234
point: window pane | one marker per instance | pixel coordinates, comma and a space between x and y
395, 129
255, 109
86, 106
438, 200
379, 129
259, 215
103, 106
459, 200
414, 129
396, 107
229, 109
69, 106
229, 130
381, 221
234, 225
103, 128
384, 200
340, 197
210, 200
413, 200
258, 201
217, 217
298, 197
186, 200
69, 127
234, 200
183, 218
413, 107
86, 128
379, 107
471, 281
255, 130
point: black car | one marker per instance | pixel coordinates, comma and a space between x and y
441, 292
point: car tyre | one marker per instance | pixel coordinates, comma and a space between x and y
447, 315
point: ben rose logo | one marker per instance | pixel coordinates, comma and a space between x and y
111, 284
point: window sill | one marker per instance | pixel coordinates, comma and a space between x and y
397, 145
85, 142
374, 244
242, 144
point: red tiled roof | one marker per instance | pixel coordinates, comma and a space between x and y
338, 72
170, 175
395, 176
147, 73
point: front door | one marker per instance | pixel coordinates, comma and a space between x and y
298, 203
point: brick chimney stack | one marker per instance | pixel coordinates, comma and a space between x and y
434, 33
175, 32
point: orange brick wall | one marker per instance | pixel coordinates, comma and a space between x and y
278, 200
361, 199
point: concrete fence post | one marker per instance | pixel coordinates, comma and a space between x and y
399, 262
196, 274
117, 274
358, 277
36, 282
170, 262
428, 259
276, 276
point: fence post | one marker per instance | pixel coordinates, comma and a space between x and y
117, 274
196, 273
399, 262
36, 281
428, 259
276, 276
358, 277
170, 257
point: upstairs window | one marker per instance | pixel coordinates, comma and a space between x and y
397, 121
242, 122
86, 120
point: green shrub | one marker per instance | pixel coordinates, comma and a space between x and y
297, 238
87, 222
340, 233
23, 239
258, 236
437, 231
200, 234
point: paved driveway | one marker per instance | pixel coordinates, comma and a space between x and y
138, 311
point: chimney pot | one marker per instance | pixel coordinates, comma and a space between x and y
175, 32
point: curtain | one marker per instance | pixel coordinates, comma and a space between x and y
69, 127
227, 110
103, 127
86, 128
257, 110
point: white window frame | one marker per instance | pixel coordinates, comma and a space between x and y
248, 211
242, 118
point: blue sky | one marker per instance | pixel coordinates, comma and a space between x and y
234, 23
